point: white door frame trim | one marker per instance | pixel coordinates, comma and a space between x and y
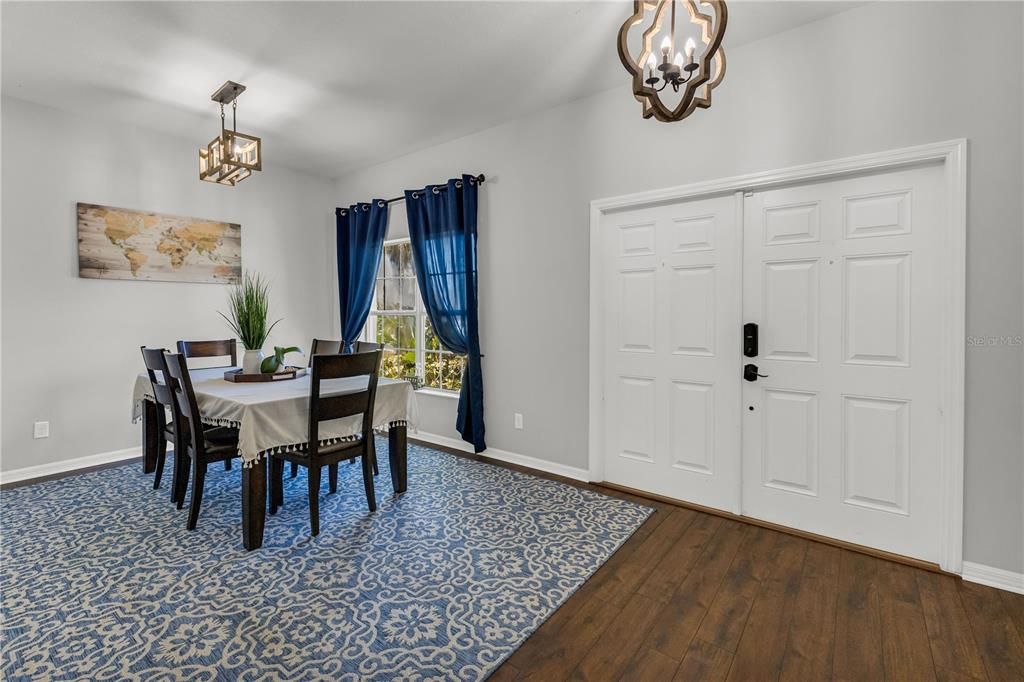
953, 155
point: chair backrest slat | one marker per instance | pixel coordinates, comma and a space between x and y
153, 358
329, 347
185, 398
324, 408
209, 349
367, 347
339, 406
323, 347
342, 366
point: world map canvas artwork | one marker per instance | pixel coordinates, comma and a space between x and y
118, 243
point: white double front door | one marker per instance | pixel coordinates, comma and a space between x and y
839, 433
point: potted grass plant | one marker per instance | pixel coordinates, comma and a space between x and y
248, 305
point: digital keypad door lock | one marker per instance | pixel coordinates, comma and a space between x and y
750, 339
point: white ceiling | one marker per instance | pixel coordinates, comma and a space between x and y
332, 86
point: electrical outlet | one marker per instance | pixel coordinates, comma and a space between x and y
41, 430
517, 420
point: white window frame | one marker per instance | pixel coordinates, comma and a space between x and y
419, 311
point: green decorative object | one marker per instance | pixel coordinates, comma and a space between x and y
248, 304
275, 362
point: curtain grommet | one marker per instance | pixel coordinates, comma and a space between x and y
435, 190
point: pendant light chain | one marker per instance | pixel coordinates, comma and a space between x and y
673, 34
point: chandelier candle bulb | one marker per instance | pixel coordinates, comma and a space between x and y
690, 47
677, 65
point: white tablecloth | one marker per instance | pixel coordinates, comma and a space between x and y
274, 416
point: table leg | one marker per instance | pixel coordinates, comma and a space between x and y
398, 456
254, 503
150, 436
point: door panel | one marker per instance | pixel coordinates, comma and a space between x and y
790, 454
842, 278
790, 298
672, 351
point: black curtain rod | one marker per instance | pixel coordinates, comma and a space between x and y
480, 179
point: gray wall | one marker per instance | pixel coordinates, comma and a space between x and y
878, 77
71, 345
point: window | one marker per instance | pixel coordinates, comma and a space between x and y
399, 322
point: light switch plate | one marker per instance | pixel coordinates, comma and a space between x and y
517, 420
41, 430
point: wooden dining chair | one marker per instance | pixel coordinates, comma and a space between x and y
326, 408
201, 446
322, 347
153, 359
225, 348
210, 349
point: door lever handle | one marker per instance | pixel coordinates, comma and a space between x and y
750, 373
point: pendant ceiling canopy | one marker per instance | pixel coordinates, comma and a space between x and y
232, 156
675, 61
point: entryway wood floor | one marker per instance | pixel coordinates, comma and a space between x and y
693, 596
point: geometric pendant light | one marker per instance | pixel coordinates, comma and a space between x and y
231, 156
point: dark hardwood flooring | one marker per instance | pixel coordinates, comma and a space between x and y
692, 596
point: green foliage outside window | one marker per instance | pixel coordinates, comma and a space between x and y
403, 328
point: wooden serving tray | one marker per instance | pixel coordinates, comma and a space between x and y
236, 376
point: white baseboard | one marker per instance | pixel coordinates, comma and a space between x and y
993, 577
505, 456
69, 465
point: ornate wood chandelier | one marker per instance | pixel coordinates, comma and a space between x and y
231, 156
674, 82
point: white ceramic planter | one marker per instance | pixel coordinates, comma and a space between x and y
251, 360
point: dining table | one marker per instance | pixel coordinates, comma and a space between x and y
273, 417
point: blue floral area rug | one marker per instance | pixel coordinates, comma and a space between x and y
101, 581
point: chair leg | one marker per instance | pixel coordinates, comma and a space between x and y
161, 458
272, 485
314, 497
198, 478
373, 453
276, 484
174, 473
332, 477
280, 484
227, 465
182, 464
295, 469
371, 498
